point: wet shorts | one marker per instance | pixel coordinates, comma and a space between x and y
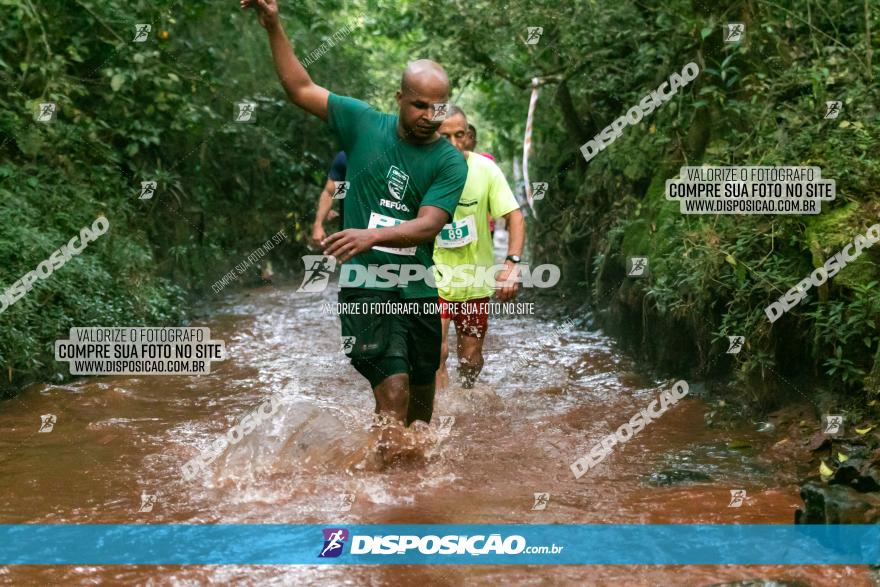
471, 317
385, 335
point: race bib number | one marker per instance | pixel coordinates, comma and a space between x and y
458, 234
381, 221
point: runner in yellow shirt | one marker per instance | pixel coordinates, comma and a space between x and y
468, 241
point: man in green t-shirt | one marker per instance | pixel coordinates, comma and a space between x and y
404, 182
467, 241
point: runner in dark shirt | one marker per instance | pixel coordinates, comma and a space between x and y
325, 200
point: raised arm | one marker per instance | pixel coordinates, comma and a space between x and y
424, 228
298, 86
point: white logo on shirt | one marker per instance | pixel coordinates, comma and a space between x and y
392, 204
397, 182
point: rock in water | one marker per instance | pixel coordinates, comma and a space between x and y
837, 504
676, 476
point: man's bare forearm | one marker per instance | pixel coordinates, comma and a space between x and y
516, 228
407, 234
291, 72
422, 229
347, 243
295, 80
325, 203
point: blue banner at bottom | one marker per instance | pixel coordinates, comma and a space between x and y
268, 544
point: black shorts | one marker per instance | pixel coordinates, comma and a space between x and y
403, 336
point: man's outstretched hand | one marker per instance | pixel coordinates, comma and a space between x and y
347, 243
506, 283
267, 11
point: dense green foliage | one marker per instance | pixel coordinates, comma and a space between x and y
163, 110
131, 112
760, 101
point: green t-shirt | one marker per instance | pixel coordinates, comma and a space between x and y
468, 240
389, 179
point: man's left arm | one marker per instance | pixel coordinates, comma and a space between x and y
435, 210
516, 228
503, 203
423, 229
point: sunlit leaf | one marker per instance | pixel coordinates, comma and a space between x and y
116, 82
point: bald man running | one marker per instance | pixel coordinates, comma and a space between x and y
467, 241
405, 181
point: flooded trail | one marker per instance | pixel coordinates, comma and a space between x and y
514, 435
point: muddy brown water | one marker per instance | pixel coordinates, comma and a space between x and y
515, 434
